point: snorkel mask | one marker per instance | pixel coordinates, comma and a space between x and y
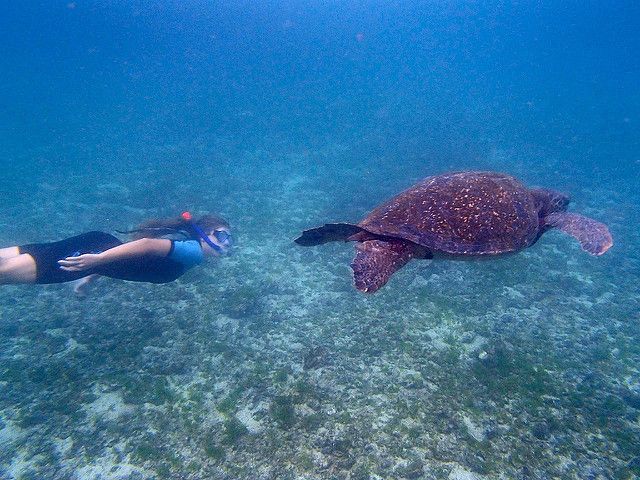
222, 236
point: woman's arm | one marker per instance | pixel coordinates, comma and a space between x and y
145, 246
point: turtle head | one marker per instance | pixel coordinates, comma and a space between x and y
549, 201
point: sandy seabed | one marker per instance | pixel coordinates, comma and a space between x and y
269, 365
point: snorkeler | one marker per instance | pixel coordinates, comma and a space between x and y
148, 258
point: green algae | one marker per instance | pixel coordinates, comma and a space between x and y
213, 450
281, 375
510, 373
311, 422
283, 412
155, 390
229, 404
233, 431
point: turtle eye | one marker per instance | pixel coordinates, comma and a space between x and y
222, 236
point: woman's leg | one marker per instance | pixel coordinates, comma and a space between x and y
19, 265
80, 285
9, 252
19, 268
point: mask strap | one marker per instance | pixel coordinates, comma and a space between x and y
186, 216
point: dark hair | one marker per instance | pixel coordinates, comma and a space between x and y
160, 227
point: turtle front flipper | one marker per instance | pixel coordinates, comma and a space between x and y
329, 232
594, 237
376, 260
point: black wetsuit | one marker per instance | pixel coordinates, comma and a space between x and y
147, 268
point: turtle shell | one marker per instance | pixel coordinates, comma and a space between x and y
462, 213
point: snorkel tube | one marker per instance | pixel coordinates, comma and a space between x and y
187, 217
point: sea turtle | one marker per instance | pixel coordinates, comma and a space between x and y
457, 215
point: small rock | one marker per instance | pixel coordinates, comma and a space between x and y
632, 399
541, 430
336, 447
634, 465
473, 429
315, 358
413, 470
459, 473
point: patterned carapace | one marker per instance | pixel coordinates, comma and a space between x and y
465, 213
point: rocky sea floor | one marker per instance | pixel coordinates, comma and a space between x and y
269, 365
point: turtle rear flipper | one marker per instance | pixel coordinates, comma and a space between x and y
377, 260
594, 237
329, 232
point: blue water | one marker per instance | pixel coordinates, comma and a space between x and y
285, 115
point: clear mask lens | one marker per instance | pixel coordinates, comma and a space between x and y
223, 237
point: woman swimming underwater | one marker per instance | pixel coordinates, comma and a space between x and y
148, 258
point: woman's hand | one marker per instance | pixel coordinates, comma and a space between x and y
81, 262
